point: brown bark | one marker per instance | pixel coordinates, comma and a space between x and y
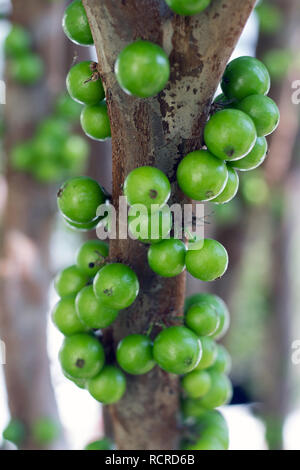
159, 132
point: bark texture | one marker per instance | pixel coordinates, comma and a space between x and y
158, 131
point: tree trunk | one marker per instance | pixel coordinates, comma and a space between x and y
159, 132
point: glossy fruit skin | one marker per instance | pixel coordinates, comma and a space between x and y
142, 69
245, 76
188, 7
196, 383
80, 383
134, 354
45, 430
14, 432
75, 24
148, 186
209, 353
263, 111
201, 175
81, 356
230, 190
150, 228
177, 350
27, 69
220, 392
67, 108
82, 227
203, 319
78, 199
254, 158
167, 258
218, 304
230, 134
213, 429
223, 361
91, 256
69, 281
102, 444
207, 263
108, 386
65, 317
116, 285
17, 42
80, 86
95, 121
91, 311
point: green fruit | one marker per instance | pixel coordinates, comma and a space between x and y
270, 18
209, 353
263, 111
223, 361
220, 392
230, 134
70, 281
83, 227
167, 258
81, 356
78, 199
191, 408
142, 69
116, 285
219, 306
95, 121
67, 108
103, 444
81, 85
206, 443
177, 350
14, 432
278, 62
150, 228
223, 101
92, 312
254, 158
148, 186
17, 42
74, 153
65, 318
203, 319
188, 7
27, 69
207, 260
134, 354
196, 384
212, 424
45, 431
255, 189
55, 128
48, 172
91, 256
245, 76
108, 386
201, 175
230, 189
22, 156
75, 24
47, 149
80, 383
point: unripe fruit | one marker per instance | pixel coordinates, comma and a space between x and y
254, 158
207, 263
220, 392
209, 353
223, 361
108, 386
17, 42
69, 281
45, 431
14, 432
74, 153
27, 69
22, 156
81, 85
134, 354
67, 108
167, 258
230, 189
95, 121
203, 319
188, 7
75, 24
263, 111
65, 317
150, 228
91, 256
91, 311
103, 444
85, 227
196, 384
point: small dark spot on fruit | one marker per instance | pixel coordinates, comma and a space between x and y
209, 194
80, 363
60, 191
226, 80
108, 292
91, 265
188, 361
229, 151
153, 193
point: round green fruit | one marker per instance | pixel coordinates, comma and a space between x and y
14, 432
70, 281
45, 431
91, 256
188, 7
67, 108
254, 158
78, 199
270, 17
245, 76
230, 189
212, 424
75, 24
201, 176
81, 356
17, 42
55, 128
196, 383
223, 361
230, 134
22, 156
150, 228
207, 263
206, 443
177, 350
95, 121
203, 319
102, 444
82, 227
209, 353
82, 86
263, 112
47, 149
74, 153
27, 69
220, 392
167, 258
148, 186
92, 312
108, 386
142, 69
65, 317
116, 285
134, 354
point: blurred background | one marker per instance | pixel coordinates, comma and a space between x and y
260, 229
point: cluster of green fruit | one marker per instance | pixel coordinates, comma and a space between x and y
43, 431
54, 152
25, 66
